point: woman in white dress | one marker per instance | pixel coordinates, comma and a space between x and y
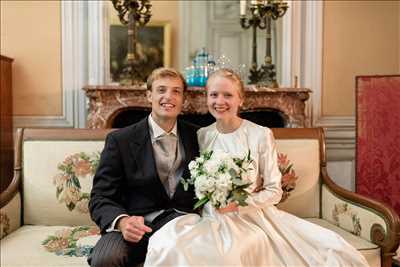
255, 235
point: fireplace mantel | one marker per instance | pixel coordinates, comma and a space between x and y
107, 101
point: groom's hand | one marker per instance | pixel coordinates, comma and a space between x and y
133, 228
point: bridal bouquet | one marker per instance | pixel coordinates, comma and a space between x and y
219, 178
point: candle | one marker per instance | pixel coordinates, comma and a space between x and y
242, 7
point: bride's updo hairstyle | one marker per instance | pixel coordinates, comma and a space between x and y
230, 75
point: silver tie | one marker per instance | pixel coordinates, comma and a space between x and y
166, 155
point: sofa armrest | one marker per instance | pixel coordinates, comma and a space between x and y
10, 198
10, 216
363, 216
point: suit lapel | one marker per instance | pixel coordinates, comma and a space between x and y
187, 143
142, 154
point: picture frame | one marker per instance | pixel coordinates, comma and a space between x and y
153, 47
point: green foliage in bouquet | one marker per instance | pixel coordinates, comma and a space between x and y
219, 178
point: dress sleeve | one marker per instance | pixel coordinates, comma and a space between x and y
269, 171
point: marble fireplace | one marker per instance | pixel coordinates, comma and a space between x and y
112, 106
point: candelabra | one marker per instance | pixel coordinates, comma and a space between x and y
262, 12
134, 13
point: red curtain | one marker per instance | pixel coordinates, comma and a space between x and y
378, 138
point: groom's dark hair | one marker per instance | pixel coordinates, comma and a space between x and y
164, 73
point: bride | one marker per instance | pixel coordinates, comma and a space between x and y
258, 234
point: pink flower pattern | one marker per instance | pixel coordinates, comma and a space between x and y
4, 224
65, 241
289, 177
68, 188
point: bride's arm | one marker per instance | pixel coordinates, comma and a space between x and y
269, 171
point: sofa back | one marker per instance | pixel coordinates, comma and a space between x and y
300, 157
57, 173
57, 168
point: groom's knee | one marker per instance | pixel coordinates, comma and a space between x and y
113, 251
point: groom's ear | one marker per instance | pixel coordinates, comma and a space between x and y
149, 95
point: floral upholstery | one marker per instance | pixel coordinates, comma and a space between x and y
47, 246
69, 241
302, 173
349, 216
289, 177
59, 181
10, 216
68, 181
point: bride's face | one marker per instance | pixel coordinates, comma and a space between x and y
223, 98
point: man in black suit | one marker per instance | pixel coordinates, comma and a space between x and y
136, 188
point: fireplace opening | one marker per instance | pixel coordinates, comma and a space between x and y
266, 117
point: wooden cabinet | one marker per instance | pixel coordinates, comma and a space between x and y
6, 127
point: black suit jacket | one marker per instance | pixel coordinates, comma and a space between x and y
126, 180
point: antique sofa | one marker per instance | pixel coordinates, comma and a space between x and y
44, 214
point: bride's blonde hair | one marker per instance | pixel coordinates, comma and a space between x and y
230, 75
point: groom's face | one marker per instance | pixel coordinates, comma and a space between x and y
166, 97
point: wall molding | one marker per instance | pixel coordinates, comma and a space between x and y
305, 23
84, 61
70, 12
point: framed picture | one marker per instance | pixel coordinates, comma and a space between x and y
154, 47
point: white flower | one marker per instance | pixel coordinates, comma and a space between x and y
200, 160
211, 166
203, 185
219, 198
192, 165
212, 175
224, 181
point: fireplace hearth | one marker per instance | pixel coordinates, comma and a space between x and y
119, 106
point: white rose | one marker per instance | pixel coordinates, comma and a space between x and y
211, 166
219, 197
203, 185
224, 181
192, 165
232, 165
200, 160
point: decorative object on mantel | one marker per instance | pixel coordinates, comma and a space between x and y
261, 13
134, 13
202, 66
108, 102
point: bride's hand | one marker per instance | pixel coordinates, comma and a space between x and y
259, 185
231, 207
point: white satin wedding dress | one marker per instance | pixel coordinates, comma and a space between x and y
258, 234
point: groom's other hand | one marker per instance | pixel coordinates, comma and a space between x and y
133, 228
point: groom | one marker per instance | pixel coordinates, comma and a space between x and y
136, 188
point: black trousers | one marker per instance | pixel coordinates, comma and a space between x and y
113, 251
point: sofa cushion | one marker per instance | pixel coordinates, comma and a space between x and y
371, 252
304, 155
58, 177
48, 246
52, 245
